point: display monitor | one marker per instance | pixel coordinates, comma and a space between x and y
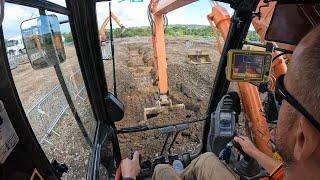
248, 66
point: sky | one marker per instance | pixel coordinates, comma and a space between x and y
131, 14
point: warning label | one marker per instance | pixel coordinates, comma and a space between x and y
8, 136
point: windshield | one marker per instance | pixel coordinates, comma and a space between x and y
11, 43
191, 59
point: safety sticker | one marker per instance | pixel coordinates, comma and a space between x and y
8, 136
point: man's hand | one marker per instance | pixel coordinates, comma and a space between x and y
268, 163
246, 144
130, 168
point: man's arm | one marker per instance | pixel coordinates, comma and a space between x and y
268, 163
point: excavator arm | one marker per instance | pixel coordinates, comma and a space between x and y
219, 19
102, 29
158, 9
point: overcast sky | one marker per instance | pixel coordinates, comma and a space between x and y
131, 14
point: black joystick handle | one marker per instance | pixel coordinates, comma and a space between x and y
131, 156
238, 146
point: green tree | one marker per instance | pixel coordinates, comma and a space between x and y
253, 36
68, 37
171, 30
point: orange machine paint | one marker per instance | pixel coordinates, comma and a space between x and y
102, 29
158, 8
221, 19
160, 54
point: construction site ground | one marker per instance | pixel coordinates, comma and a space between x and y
189, 83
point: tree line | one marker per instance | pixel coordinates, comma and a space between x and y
172, 30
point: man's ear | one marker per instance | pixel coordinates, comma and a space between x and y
299, 142
306, 140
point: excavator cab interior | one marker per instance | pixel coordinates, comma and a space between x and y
244, 71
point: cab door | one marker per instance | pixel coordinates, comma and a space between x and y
22, 158
50, 109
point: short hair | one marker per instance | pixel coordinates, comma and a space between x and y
304, 73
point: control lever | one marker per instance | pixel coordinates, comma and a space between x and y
145, 170
168, 131
158, 160
246, 157
179, 128
247, 167
186, 159
131, 156
172, 157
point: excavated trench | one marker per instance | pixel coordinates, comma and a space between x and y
189, 84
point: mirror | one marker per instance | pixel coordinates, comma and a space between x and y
43, 41
248, 66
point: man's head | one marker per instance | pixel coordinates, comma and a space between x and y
296, 139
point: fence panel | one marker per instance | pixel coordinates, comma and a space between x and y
47, 112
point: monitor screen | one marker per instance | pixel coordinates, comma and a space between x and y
248, 66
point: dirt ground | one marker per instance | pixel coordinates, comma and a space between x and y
189, 83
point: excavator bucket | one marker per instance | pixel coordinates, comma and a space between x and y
123, 29
161, 107
199, 57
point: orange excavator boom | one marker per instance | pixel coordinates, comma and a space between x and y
219, 18
102, 29
157, 9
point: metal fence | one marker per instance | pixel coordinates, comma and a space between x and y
17, 58
46, 113
106, 50
75, 87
